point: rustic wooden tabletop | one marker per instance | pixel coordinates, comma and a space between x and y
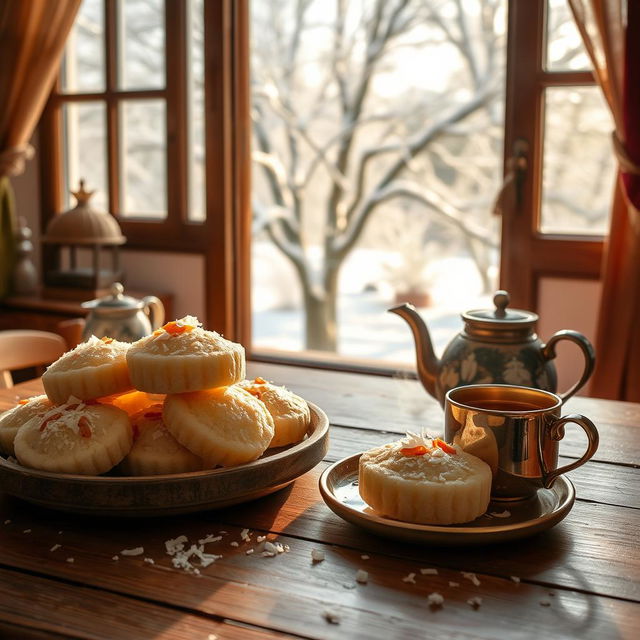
59, 578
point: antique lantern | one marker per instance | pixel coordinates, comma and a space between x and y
83, 257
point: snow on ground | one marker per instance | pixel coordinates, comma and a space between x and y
366, 329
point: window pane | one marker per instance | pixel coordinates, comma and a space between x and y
565, 51
83, 64
143, 158
195, 67
141, 44
579, 167
377, 155
84, 135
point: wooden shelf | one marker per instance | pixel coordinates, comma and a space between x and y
38, 312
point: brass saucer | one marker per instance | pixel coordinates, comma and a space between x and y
339, 489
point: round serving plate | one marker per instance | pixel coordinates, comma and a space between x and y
510, 520
170, 494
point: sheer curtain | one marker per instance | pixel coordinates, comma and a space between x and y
610, 30
32, 37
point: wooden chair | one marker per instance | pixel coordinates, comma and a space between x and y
71, 330
22, 349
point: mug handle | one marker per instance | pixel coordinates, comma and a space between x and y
556, 432
549, 352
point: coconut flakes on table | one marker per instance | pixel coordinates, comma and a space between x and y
234, 544
411, 578
149, 560
244, 534
472, 577
364, 557
70, 560
332, 616
55, 547
515, 579
317, 555
210, 538
136, 551
181, 557
435, 599
475, 602
453, 584
362, 577
429, 572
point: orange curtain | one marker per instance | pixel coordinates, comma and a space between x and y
610, 30
32, 37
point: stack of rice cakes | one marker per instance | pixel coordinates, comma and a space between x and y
173, 402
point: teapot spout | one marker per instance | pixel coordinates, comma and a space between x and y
427, 363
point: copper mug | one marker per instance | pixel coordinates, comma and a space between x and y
516, 431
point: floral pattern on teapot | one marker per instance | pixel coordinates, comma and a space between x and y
485, 365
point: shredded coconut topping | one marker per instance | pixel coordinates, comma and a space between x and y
412, 439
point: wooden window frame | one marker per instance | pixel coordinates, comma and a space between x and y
224, 238
527, 254
225, 233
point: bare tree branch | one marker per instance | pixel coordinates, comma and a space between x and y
344, 242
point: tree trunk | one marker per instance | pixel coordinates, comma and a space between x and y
321, 317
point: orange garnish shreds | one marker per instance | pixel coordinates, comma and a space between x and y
175, 328
23, 401
259, 380
447, 448
420, 450
84, 427
107, 340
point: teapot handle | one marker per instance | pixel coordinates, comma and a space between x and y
154, 308
549, 352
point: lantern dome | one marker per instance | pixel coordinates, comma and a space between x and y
84, 225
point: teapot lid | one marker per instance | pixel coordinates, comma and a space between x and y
501, 317
114, 301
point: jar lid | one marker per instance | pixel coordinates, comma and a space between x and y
501, 317
114, 301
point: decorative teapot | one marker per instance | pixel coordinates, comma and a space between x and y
122, 317
495, 346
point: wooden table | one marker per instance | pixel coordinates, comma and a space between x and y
579, 579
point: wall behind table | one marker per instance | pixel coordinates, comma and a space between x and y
180, 274
568, 304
